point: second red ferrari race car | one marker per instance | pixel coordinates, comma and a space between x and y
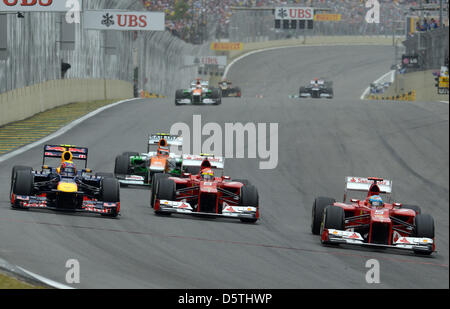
372, 221
204, 194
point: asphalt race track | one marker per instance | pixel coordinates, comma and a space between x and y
320, 142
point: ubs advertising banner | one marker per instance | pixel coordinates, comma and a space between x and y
40, 5
123, 20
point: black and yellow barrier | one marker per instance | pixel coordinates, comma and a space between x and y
409, 96
148, 95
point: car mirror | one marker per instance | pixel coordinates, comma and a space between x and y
354, 200
226, 177
398, 205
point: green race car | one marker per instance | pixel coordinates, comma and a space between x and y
140, 169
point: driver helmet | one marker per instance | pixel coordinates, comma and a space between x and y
207, 174
67, 169
376, 201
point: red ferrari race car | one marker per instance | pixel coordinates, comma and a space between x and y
374, 220
203, 194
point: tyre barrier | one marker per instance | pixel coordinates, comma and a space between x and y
409, 96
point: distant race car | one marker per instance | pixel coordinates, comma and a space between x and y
318, 88
203, 194
133, 168
200, 93
371, 221
65, 187
228, 90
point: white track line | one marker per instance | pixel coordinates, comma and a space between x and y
46, 281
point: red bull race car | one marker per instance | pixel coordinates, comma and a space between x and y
205, 194
65, 187
372, 220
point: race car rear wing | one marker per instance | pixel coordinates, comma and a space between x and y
57, 151
364, 184
172, 140
197, 160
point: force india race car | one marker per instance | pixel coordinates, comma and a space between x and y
228, 90
65, 187
132, 168
318, 88
364, 223
203, 194
198, 94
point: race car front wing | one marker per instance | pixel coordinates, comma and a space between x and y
416, 244
88, 206
184, 208
203, 101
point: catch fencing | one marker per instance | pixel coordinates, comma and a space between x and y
36, 51
431, 47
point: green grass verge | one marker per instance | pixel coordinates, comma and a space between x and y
20, 133
8, 283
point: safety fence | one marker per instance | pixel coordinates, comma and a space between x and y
36, 53
431, 47
36, 50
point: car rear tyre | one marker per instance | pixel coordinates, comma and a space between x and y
318, 208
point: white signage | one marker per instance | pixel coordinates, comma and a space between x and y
205, 60
123, 20
294, 13
39, 5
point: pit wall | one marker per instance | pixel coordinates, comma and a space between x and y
422, 83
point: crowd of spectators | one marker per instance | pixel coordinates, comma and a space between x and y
427, 25
191, 19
